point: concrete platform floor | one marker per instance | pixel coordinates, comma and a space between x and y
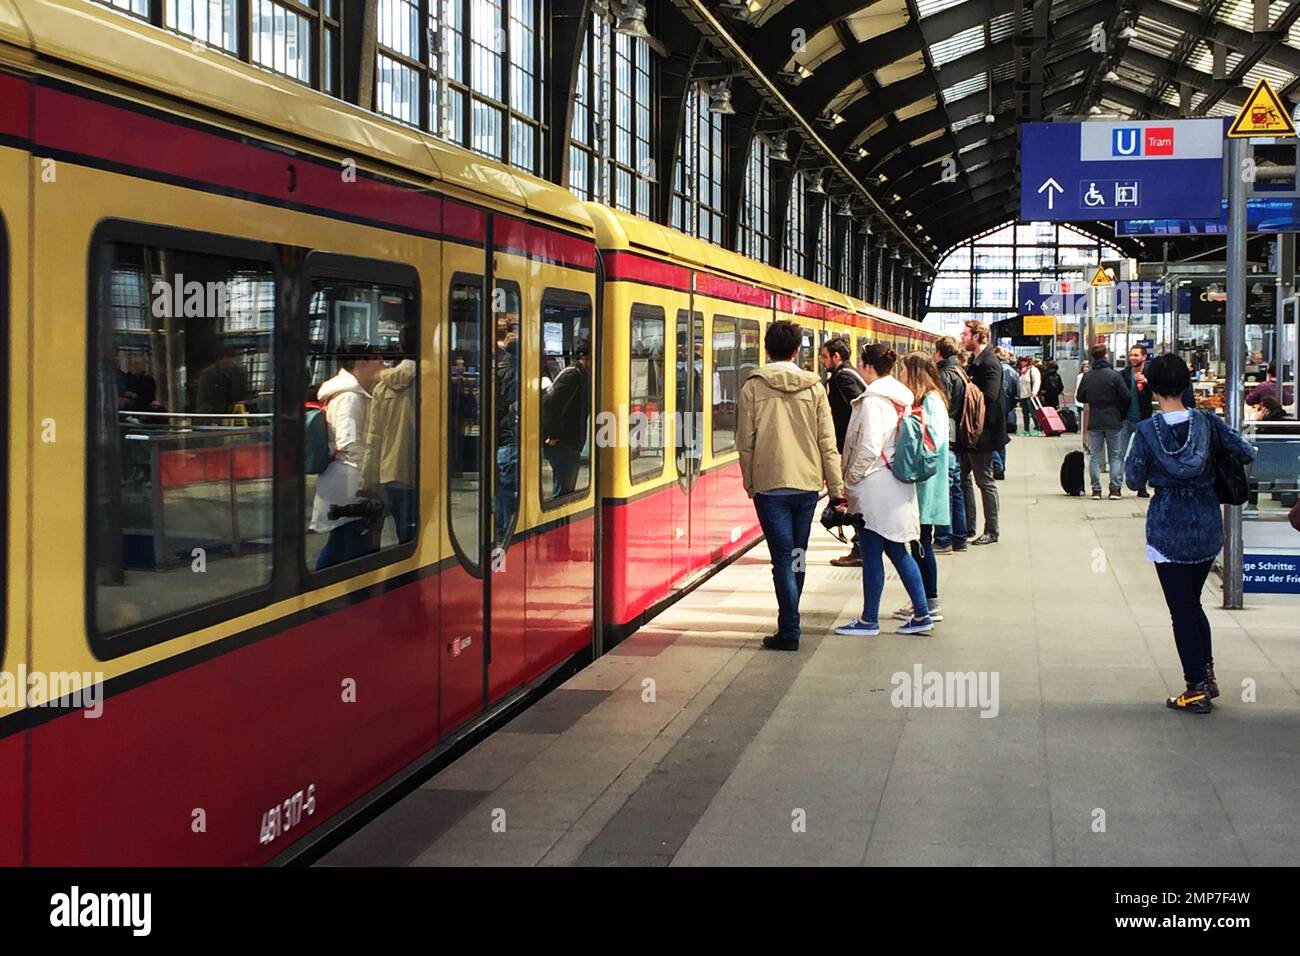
742, 756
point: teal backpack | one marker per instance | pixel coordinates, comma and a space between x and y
316, 433
916, 457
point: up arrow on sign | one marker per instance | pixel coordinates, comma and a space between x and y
1052, 187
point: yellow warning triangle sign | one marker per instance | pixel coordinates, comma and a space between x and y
1100, 277
1262, 114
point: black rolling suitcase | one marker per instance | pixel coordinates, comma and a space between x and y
1072, 473
1069, 418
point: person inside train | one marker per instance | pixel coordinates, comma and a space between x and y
222, 385
786, 439
842, 387
886, 505
346, 398
388, 460
137, 389
507, 416
1174, 452
566, 409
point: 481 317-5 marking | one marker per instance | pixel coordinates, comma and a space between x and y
282, 817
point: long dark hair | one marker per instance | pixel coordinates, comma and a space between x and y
923, 377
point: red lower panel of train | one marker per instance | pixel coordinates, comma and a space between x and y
11, 800
656, 541
232, 760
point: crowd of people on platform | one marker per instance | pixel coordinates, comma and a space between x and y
901, 443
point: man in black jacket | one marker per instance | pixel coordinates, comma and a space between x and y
1106, 401
952, 537
1140, 403
985, 373
566, 412
843, 386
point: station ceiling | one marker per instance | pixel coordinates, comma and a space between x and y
923, 98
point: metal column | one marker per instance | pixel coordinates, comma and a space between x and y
1234, 357
1285, 280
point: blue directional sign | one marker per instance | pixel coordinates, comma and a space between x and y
1046, 298
1263, 214
1066, 298
1154, 169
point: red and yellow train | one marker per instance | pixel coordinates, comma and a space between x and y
193, 670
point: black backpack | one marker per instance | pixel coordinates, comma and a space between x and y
1072, 474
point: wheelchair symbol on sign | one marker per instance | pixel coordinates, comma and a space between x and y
1093, 197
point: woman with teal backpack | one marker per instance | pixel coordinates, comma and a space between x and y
918, 372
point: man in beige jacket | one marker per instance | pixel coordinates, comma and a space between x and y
786, 440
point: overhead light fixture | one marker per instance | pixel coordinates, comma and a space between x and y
882, 178
830, 120
990, 119
779, 152
866, 228
743, 10
631, 21
720, 99
803, 71
1129, 31
846, 209
1094, 109
816, 188
907, 213
897, 198
919, 228
1111, 76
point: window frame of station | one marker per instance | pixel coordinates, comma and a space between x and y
688, 206
648, 313
428, 76
349, 268
571, 297
324, 28
588, 79
109, 645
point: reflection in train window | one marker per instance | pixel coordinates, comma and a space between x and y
566, 394
725, 385
749, 350
360, 468
646, 394
181, 445
690, 393
465, 322
505, 505
807, 357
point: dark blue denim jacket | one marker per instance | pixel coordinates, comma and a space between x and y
1185, 520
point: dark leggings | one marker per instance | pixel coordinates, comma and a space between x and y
1182, 584
923, 554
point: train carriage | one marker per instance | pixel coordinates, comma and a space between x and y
196, 668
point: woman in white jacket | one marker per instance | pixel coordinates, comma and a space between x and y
887, 506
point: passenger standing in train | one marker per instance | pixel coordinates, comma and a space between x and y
951, 535
566, 407
786, 439
843, 386
921, 376
507, 415
1173, 452
985, 373
347, 405
886, 506
388, 461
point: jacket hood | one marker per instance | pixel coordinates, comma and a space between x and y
400, 377
1098, 363
344, 381
783, 378
889, 388
1185, 459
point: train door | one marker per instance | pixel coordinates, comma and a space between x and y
514, 311
690, 432
467, 347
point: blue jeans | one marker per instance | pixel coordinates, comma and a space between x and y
874, 547
953, 534
507, 489
927, 564
346, 541
786, 521
403, 502
1110, 440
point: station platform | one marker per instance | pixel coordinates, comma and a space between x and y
743, 756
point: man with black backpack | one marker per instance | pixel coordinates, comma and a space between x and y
977, 444
844, 385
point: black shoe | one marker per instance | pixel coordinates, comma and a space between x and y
1096, 496
775, 642
999, 476
987, 538
959, 548
1194, 700
1114, 493
1211, 684
1143, 493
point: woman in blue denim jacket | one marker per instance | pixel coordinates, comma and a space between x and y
1171, 452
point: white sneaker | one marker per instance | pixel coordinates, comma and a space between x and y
904, 613
856, 628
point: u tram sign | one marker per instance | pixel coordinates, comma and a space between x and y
1120, 170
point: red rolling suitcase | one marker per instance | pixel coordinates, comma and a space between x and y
1048, 419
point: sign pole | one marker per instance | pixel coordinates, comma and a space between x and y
1234, 347
1285, 279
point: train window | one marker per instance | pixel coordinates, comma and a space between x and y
360, 468
807, 358
749, 350
822, 338
566, 395
646, 394
725, 349
689, 410
181, 425
465, 323
505, 503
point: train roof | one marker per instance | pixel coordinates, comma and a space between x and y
617, 230
162, 68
